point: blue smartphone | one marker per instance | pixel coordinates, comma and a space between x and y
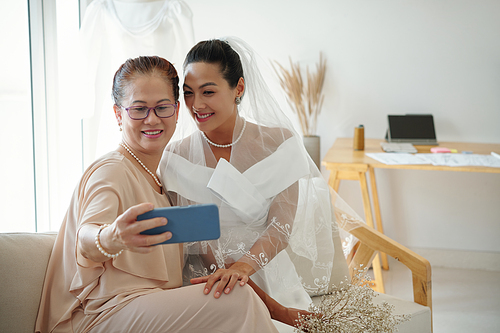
186, 223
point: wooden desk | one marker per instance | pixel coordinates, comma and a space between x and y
344, 163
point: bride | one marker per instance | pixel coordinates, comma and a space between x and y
237, 149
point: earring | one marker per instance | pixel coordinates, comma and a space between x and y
120, 125
237, 100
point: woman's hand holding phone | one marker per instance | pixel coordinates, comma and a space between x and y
125, 231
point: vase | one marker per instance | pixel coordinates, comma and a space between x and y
312, 144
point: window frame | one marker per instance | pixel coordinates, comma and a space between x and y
50, 161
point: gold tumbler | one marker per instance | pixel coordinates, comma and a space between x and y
359, 138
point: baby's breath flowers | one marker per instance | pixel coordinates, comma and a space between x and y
349, 308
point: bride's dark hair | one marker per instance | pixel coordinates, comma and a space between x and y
215, 51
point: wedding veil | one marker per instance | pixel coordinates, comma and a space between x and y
273, 201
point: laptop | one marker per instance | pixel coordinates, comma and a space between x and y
417, 129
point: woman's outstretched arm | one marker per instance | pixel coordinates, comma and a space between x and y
122, 234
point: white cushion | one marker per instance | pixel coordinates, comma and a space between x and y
23, 262
420, 321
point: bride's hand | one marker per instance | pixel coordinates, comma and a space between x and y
227, 278
289, 316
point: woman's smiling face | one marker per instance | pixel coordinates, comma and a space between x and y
151, 134
209, 98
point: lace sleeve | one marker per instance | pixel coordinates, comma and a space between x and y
278, 229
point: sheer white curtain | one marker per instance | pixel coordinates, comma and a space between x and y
111, 32
16, 169
57, 75
41, 146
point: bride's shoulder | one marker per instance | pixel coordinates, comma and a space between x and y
276, 135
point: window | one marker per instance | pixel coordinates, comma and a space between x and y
41, 138
16, 135
42, 104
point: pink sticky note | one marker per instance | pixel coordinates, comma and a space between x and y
440, 150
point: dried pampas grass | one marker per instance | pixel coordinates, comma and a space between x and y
305, 98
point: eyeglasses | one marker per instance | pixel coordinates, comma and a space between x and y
142, 112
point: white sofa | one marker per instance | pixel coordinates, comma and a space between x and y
24, 257
23, 261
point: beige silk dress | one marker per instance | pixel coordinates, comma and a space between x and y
133, 292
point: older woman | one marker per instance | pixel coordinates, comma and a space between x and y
103, 275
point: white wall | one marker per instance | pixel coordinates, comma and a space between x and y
393, 56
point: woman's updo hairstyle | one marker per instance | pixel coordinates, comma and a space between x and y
143, 66
218, 52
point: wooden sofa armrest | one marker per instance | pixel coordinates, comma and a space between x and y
371, 240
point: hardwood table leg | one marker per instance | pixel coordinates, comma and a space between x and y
334, 180
359, 174
366, 199
378, 215
377, 268
377, 273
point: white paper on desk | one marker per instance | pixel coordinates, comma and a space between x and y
397, 158
461, 160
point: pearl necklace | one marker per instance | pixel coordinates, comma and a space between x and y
140, 162
229, 144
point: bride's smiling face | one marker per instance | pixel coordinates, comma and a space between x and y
209, 98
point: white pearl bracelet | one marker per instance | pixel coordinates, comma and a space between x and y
98, 243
